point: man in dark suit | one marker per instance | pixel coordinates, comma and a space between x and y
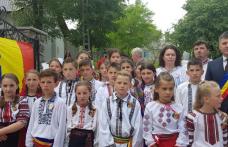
217, 68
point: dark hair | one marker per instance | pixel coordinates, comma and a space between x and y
150, 66
17, 97
129, 61
89, 86
69, 60
82, 52
56, 60
49, 73
86, 62
200, 42
162, 53
33, 71
165, 76
114, 65
224, 35
194, 62
111, 51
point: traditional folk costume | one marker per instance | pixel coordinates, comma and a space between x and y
164, 125
185, 95
120, 122
95, 84
66, 91
81, 127
207, 129
148, 93
178, 73
103, 92
47, 124
9, 114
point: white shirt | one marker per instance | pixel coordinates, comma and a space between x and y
95, 86
30, 100
203, 125
178, 73
82, 119
66, 91
105, 136
181, 95
164, 119
148, 93
48, 120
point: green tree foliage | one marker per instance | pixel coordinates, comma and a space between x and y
204, 20
134, 28
50, 16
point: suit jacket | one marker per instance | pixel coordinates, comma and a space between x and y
215, 70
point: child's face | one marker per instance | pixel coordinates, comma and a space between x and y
55, 66
122, 85
137, 71
82, 94
115, 58
165, 91
103, 70
9, 87
81, 57
127, 67
112, 73
147, 76
32, 81
69, 71
195, 72
86, 72
47, 85
214, 100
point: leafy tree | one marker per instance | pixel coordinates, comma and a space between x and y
134, 28
205, 20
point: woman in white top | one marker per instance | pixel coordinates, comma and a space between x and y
170, 61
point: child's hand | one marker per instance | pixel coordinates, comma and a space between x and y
3, 138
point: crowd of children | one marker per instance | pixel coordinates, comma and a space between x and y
126, 105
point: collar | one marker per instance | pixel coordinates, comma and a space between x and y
224, 59
52, 99
205, 61
114, 97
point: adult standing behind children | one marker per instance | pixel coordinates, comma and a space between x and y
201, 52
170, 61
217, 68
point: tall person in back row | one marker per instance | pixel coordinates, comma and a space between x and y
217, 70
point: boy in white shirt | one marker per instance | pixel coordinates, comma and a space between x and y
47, 124
120, 119
186, 92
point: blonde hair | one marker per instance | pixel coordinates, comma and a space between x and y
203, 90
125, 74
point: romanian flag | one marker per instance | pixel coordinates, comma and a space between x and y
224, 86
16, 57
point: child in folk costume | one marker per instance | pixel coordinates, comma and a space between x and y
102, 66
114, 55
120, 119
106, 90
56, 65
32, 92
186, 92
82, 55
163, 121
47, 123
86, 71
81, 118
207, 126
65, 89
148, 74
14, 113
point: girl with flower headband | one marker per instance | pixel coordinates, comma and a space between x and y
14, 113
102, 66
207, 125
81, 118
163, 122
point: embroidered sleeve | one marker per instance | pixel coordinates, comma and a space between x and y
224, 126
190, 127
23, 114
148, 126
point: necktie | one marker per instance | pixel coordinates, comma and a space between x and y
189, 98
119, 102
